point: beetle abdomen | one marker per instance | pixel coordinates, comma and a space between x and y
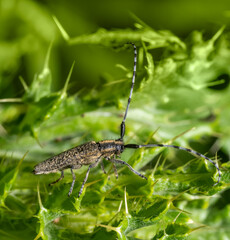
80, 155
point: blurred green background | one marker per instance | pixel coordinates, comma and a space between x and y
27, 28
181, 97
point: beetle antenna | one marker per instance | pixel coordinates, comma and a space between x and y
131, 91
197, 154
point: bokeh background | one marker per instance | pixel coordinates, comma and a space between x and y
27, 28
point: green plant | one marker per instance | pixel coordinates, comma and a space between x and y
178, 96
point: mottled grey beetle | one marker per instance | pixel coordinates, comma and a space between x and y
92, 153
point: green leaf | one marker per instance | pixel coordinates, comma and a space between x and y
41, 85
155, 39
7, 181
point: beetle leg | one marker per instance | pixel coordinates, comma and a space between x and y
102, 167
87, 174
125, 163
72, 185
115, 170
114, 166
59, 179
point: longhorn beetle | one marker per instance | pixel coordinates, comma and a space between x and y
92, 153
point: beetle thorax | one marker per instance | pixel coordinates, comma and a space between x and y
109, 148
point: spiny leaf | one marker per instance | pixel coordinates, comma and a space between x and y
119, 37
41, 84
7, 181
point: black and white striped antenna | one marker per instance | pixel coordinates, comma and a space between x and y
131, 92
197, 154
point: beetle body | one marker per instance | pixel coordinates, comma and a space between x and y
85, 154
